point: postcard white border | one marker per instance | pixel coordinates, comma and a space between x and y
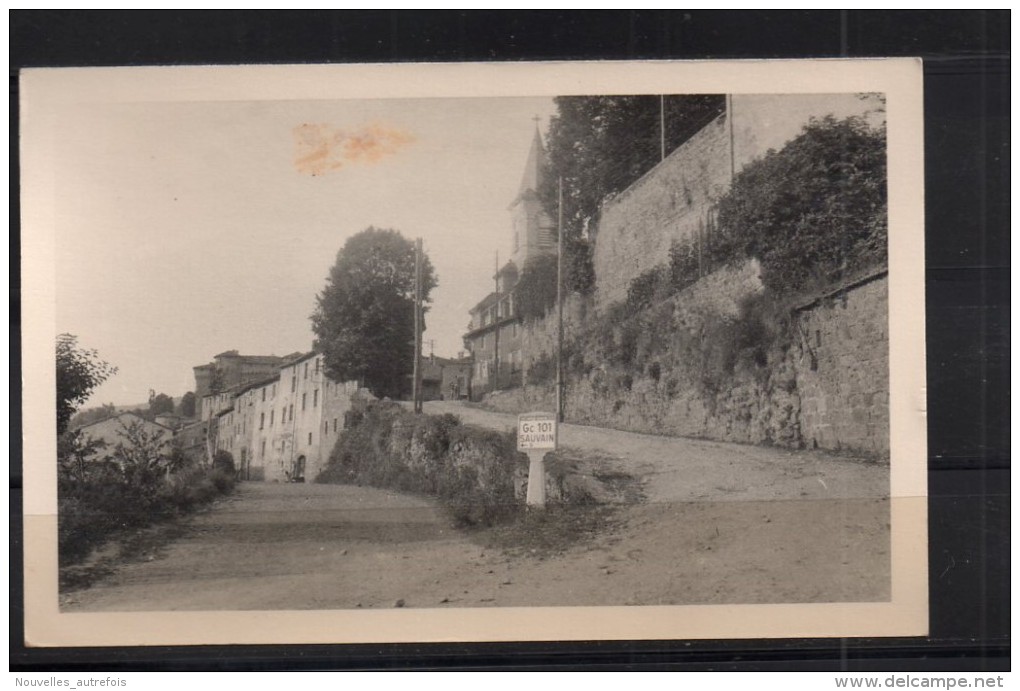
44, 92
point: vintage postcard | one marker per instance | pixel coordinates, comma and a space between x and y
473, 352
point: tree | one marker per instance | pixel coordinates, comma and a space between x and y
600, 145
79, 372
90, 415
160, 404
188, 404
364, 317
142, 456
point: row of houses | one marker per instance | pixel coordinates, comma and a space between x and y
277, 428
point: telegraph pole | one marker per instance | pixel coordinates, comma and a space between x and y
559, 307
416, 396
495, 345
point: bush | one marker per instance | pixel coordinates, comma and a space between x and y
106, 502
814, 210
542, 371
223, 461
646, 289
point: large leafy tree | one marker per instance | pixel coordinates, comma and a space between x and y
160, 404
79, 372
364, 317
600, 145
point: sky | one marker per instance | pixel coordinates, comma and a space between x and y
185, 229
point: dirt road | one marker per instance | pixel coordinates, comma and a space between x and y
675, 469
280, 546
722, 524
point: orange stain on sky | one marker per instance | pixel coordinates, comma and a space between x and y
323, 148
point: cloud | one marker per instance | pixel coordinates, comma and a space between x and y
322, 148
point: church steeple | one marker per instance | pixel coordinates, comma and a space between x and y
532, 177
532, 229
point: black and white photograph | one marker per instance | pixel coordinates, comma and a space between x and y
474, 352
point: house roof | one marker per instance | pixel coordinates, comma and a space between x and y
489, 299
126, 414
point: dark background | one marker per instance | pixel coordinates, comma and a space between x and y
966, 83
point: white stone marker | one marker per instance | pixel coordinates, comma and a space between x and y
537, 433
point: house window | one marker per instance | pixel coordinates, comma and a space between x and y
293, 383
272, 414
304, 401
306, 370
309, 438
262, 452
315, 398
317, 361
334, 424
291, 412
262, 420
263, 395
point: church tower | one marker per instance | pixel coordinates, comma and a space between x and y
532, 228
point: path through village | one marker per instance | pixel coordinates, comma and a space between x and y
714, 523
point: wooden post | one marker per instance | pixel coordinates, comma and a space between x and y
416, 396
559, 308
495, 345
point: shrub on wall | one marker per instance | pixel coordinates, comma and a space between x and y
811, 211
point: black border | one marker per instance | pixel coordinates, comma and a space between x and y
966, 82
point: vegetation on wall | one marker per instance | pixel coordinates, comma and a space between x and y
810, 214
535, 293
599, 146
813, 211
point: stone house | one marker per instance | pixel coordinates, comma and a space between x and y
281, 428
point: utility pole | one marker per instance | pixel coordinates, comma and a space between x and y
559, 307
495, 345
416, 383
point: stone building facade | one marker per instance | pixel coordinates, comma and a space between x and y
281, 428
